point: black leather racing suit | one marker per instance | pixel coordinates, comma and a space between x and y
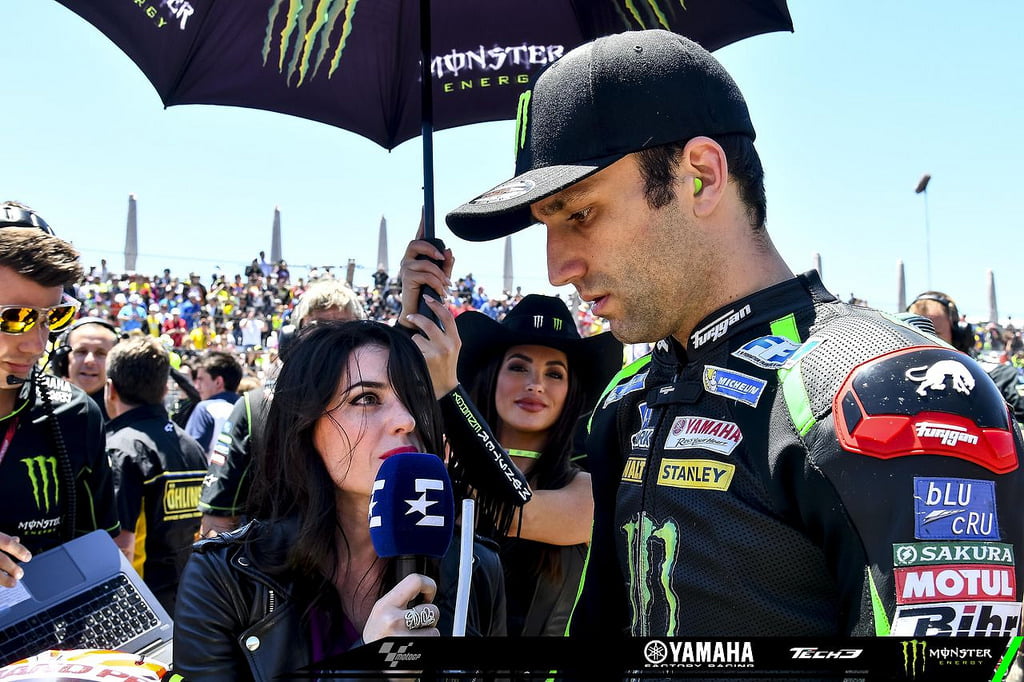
803, 467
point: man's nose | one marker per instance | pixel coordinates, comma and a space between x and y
34, 340
564, 266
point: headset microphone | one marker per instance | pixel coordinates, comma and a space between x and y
412, 511
15, 381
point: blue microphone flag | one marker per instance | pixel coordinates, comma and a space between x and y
412, 510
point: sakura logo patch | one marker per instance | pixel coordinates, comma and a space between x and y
943, 375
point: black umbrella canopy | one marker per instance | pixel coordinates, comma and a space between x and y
355, 64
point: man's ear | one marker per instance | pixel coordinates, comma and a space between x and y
703, 173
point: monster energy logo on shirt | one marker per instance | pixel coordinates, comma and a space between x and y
42, 472
652, 552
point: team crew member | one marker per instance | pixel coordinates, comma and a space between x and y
783, 463
55, 482
158, 468
80, 356
945, 317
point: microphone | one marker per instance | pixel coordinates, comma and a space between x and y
15, 381
412, 510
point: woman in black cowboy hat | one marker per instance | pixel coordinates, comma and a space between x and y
528, 380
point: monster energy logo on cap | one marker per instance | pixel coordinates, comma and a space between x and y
522, 119
42, 472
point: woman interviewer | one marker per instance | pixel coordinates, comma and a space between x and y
302, 581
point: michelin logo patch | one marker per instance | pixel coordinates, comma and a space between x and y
635, 383
767, 352
735, 385
955, 509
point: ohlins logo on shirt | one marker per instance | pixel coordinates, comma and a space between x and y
181, 498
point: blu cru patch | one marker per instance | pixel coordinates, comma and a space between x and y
955, 509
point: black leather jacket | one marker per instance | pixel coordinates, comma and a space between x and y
234, 622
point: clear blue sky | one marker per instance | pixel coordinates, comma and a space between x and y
851, 110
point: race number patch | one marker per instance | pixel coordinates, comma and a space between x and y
925, 400
955, 509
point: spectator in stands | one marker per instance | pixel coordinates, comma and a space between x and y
217, 377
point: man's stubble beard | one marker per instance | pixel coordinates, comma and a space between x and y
673, 275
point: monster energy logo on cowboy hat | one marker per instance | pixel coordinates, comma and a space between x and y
601, 101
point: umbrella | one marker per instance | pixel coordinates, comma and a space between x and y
357, 65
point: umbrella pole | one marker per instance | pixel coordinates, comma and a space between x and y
427, 117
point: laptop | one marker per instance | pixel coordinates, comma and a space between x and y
83, 594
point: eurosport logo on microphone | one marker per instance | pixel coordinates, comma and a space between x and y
420, 503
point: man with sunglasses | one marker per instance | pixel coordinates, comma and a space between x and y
55, 480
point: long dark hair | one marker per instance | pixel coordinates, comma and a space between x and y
554, 468
291, 484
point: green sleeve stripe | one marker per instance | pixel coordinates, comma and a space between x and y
1011, 653
793, 390
627, 371
877, 608
579, 588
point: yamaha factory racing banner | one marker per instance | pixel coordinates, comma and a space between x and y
963, 659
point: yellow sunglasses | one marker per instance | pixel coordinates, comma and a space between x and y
18, 319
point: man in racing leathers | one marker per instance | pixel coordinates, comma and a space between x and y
783, 463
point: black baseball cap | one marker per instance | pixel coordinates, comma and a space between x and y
13, 214
603, 100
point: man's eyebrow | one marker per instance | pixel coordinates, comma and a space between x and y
557, 203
